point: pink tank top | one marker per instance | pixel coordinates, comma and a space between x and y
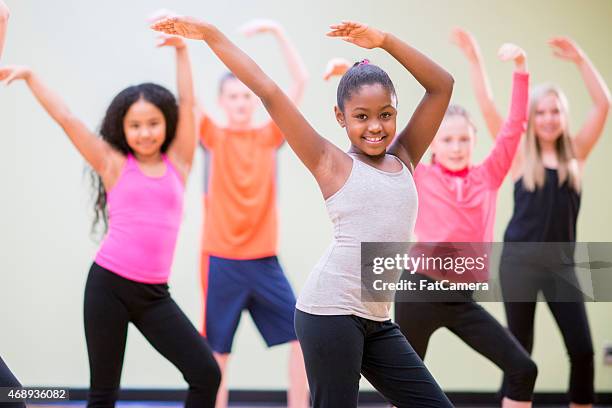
144, 218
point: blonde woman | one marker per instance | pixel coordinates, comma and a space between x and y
546, 173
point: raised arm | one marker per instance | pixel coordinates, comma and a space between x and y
312, 149
503, 156
412, 142
480, 80
4, 16
96, 151
294, 62
182, 149
593, 126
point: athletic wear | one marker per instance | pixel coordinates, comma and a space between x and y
127, 283
461, 208
368, 208
111, 302
257, 285
478, 329
337, 349
240, 220
548, 214
144, 219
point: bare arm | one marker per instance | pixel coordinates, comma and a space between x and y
412, 142
426, 119
182, 149
96, 151
592, 128
480, 80
296, 66
4, 17
312, 149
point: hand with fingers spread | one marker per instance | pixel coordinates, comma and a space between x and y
183, 26
11, 73
357, 33
259, 26
466, 43
509, 51
566, 48
336, 67
165, 40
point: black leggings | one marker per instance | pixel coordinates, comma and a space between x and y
337, 349
7, 379
479, 330
111, 302
524, 281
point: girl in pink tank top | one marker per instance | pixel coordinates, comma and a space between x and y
140, 164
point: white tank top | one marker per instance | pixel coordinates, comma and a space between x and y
372, 206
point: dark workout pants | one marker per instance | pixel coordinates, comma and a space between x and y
111, 302
522, 278
479, 330
337, 349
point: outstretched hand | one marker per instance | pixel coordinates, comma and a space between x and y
183, 26
336, 67
165, 40
509, 51
566, 48
466, 43
357, 33
260, 26
11, 73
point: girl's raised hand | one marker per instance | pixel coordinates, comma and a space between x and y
358, 34
259, 26
509, 51
566, 48
165, 40
336, 67
11, 73
183, 26
466, 43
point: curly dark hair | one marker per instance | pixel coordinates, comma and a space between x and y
362, 73
111, 131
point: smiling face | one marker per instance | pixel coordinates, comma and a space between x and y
369, 117
454, 143
144, 126
237, 101
548, 118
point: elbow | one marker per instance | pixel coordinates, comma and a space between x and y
449, 83
445, 85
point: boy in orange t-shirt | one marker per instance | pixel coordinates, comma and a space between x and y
240, 269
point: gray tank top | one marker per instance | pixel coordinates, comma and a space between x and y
372, 206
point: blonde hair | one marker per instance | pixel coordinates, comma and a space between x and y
534, 175
457, 110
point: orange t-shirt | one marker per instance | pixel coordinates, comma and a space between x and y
240, 220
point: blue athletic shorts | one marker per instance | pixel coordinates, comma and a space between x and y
257, 285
